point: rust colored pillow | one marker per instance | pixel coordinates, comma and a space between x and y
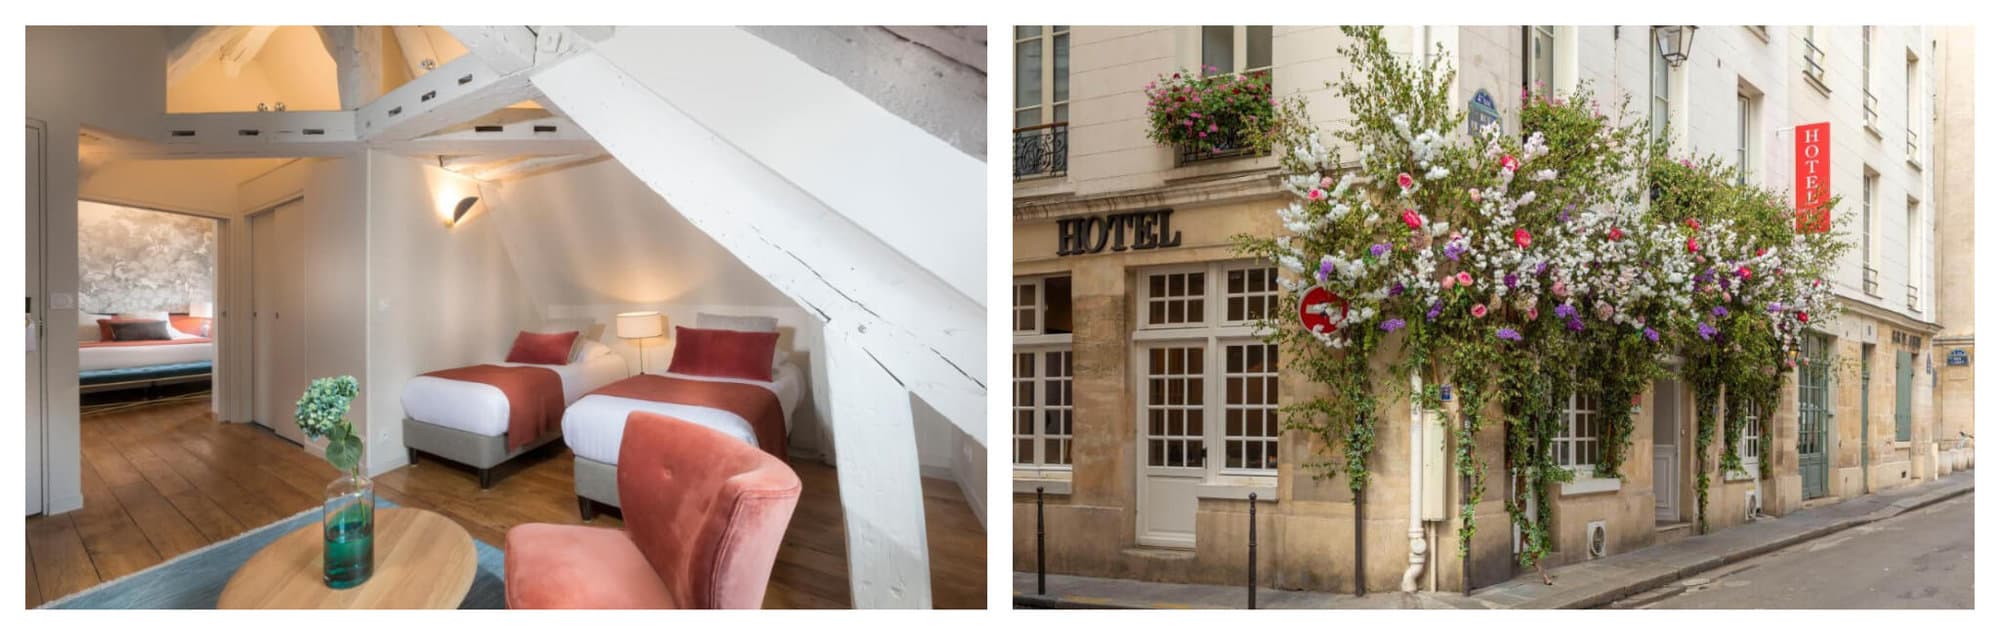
190, 325
723, 353
104, 326
542, 348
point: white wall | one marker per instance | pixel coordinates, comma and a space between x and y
76, 78
440, 296
594, 241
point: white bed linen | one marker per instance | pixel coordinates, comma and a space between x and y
594, 426
482, 409
107, 357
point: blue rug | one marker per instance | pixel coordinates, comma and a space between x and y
194, 580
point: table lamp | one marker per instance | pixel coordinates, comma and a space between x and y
639, 325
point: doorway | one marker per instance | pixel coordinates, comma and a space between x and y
277, 341
1666, 451
1171, 405
1813, 414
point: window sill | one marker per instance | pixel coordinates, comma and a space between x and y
1050, 483
1818, 85
1914, 164
1025, 340
1872, 130
1239, 488
1748, 474
1591, 485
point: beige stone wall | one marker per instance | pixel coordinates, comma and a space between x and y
1953, 172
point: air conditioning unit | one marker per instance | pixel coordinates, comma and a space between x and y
1595, 539
1753, 505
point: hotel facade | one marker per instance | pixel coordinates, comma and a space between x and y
1146, 408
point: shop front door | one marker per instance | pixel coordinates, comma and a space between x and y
1172, 453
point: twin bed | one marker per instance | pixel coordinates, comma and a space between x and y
485, 415
105, 362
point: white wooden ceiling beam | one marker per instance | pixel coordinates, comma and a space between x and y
503, 167
921, 329
416, 49
506, 49
203, 45
357, 56
914, 191
460, 91
881, 481
244, 50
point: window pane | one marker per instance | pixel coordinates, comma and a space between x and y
1027, 31
1028, 74
1256, 47
1060, 75
1027, 117
1218, 49
1056, 312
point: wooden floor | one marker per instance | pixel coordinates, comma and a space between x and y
162, 480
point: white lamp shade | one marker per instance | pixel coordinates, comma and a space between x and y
640, 324
201, 310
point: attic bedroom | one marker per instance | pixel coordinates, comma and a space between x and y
546, 295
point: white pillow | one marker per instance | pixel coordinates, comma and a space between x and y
752, 323
592, 349
87, 329
145, 315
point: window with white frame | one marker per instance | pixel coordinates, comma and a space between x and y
1235, 49
1753, 434
1538, 59
1868, 182
1577, 446
1041, 75
1815, 56
1661, 104
1746, 136
1043, 418
1201, 362
1913, 233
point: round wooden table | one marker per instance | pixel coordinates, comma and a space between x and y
422, 561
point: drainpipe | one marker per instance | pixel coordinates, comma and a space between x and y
1418, 548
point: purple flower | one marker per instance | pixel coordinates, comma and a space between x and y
1574, 324
1541, 267
1565, 311
1325, 268
1378, 249
1563, 215
1719, 311
1508, 334
1652, 335
1392, 325
1454, 249
1705, 276
1436, 308
1707, 332
1510, 280
1396, 289
1775, 308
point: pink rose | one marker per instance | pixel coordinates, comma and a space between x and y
1479, 310
1532, 314
1464, 278
1561, 290
1405, 181
1694, 224
1316, 194
1743, 272
1617, 233
1448, 282
1693, 246
1509, 164
1411, 218
1326, 182
1474, 193
1521, 237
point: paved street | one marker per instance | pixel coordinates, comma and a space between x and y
1922, 559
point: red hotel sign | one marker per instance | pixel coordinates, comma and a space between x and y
1810, 177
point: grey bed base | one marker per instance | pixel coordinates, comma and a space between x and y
478, 451
596, 484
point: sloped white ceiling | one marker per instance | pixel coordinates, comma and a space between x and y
596, 235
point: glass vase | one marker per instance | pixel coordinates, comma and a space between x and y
349, 525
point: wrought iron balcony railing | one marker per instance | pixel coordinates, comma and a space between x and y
1869, 284
1815, 62
1869, 112
1041, 151
1233, 146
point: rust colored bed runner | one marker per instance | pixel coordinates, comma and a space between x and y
534, 397
755, 404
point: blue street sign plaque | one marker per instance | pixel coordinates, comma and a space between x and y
1957, 357
1481, 112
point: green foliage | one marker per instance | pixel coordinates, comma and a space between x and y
1209, 113
322, 413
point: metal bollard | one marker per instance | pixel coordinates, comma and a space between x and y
1253, 550
1041, 571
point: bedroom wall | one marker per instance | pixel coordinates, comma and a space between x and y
441, 295
594, 241
78, 77
131, 259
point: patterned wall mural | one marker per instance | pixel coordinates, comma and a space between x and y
132, 260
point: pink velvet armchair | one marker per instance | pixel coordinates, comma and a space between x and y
704, 514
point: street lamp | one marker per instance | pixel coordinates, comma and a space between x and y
1674, 42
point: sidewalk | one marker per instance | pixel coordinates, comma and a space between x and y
1582, 585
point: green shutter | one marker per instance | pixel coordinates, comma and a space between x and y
1905, 374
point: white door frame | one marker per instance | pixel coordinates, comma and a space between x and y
1146, 534
37, 133
1667, 453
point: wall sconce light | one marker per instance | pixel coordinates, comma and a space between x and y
464, 206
